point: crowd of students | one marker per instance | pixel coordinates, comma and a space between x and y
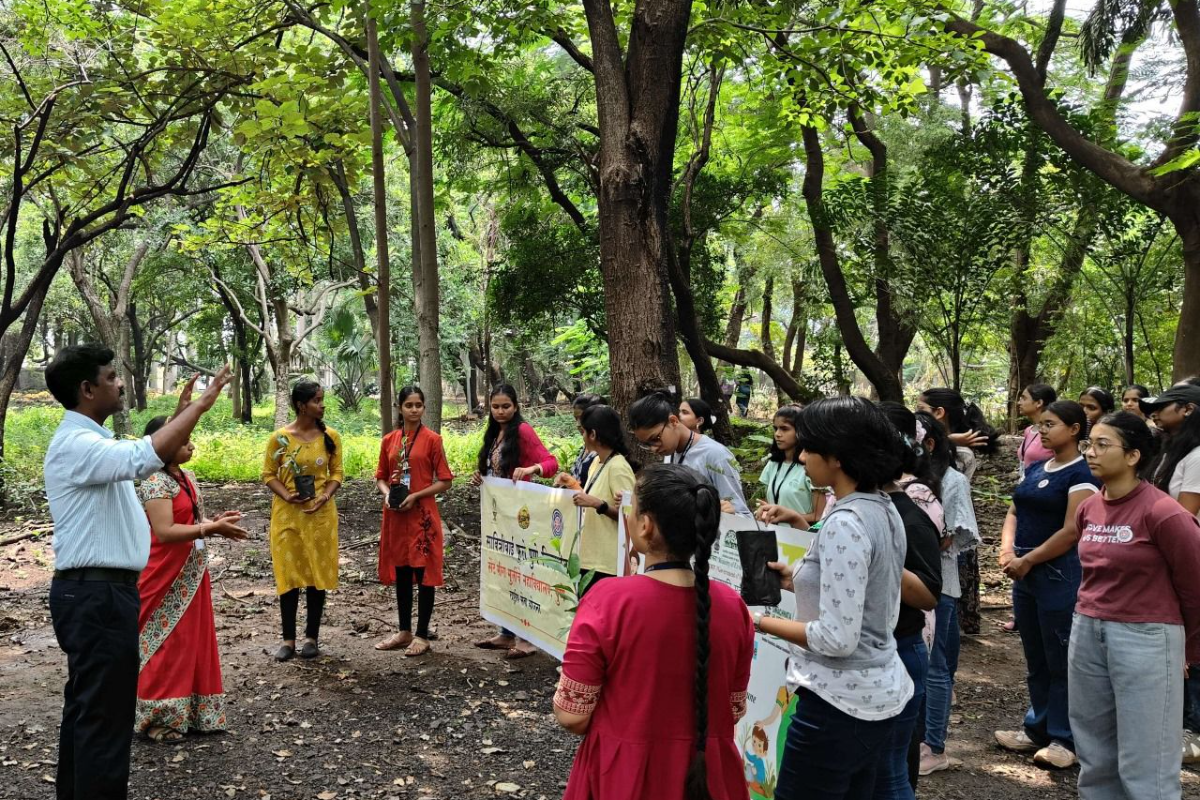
1100, 541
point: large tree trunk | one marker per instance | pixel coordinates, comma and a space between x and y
429, 354
637, 98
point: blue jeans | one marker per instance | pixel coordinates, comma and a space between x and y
830, 755
1191, 700
893, 782
1126, 695
1043, 604
939, 682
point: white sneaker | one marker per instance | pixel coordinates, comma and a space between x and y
932, 762
1191, 747
1017, 741
1056, 756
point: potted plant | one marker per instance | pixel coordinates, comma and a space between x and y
306, 485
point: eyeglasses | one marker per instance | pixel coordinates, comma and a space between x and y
1046, 425
655, 441
1101, 446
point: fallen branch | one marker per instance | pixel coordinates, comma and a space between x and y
29, 534
233, 596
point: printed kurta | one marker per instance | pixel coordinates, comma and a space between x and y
304, 547
179, 684
412, 538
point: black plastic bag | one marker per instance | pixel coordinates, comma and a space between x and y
760, 583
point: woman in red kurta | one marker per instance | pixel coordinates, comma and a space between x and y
412, 471
646, 651
179, 685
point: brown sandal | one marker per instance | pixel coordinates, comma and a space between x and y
395, 641
492, 644
158, 735
419, 647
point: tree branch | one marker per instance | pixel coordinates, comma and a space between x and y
563, 40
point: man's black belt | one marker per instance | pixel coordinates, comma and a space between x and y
107, 574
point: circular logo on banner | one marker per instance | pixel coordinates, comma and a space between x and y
1044, 483
556, 523
523, 518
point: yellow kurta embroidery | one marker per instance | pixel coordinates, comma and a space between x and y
304, 547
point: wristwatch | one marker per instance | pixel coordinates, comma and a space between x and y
758, 618
602, 509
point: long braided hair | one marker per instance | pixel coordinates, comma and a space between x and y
686, 509
303, 392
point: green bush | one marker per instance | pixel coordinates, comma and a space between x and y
229, 451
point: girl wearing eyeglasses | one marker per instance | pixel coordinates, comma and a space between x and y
1038, 552
1137, 617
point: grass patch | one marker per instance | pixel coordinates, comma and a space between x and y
229, 451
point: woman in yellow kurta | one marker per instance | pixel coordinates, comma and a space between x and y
600, 500
304, 522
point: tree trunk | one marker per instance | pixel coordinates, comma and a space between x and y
637, 100
141, 359
369, 293
429, 353
235, 391
737, 312
884, 376
11, 370
1187, 335
383, 326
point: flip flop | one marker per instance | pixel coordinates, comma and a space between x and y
395, 641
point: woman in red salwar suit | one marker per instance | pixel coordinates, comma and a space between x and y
179, 684
412, 471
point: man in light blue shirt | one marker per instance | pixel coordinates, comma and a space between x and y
101, 544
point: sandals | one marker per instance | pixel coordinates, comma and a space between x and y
418, 648
395, 641
492, 644
158, 735
515, 654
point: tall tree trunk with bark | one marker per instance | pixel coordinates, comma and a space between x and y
637, 98
383, 327
429, 355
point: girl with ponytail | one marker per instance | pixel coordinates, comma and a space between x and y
304, 525
655, 722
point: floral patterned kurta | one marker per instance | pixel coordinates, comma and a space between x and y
304, 547
412, 538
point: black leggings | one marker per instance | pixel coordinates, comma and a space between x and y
404, 584
289, 602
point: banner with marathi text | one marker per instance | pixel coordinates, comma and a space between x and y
519, 524
517, 590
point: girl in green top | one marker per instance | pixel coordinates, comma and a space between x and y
792, 500
600, 499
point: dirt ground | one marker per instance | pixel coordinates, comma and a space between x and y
460, 723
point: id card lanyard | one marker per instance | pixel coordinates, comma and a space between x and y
405, 473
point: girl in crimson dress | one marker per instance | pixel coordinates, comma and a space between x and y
412, 471
179, 683
656, 667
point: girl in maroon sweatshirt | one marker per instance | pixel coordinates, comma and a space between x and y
1138, 612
